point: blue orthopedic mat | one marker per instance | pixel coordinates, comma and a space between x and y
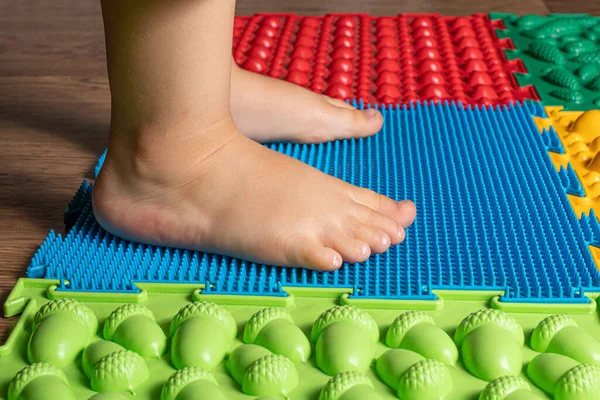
493, 214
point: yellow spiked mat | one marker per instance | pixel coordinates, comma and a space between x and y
579, 133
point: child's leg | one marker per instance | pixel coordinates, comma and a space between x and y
178, 172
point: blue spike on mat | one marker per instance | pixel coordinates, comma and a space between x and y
570, 181
591, 228
492, 214
76, 205
549, 137
99, 164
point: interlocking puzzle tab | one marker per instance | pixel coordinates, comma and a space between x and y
382, 59
561, 54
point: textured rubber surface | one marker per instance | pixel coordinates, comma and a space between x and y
580, 132
561, 54
382, 59
363, 335
493, 214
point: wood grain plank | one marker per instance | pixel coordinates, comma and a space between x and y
570, 7
52, 129
392, 7
58, 37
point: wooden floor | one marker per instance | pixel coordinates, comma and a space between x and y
54, 102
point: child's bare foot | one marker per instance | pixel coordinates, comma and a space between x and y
267, 109
216, 190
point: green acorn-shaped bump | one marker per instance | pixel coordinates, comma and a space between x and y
192, 383
508, 388
416, 331
425, 380
202, 334
275, 329
345, 339
96, 352
564, 378
134, 327
270, 375
120, 371
108, 396
491, 344
40, 381
545, 370
242, 357
413, 376
349, 385
579, 383
560, 334
392, 365
61, 330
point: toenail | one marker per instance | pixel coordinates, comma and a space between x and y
385, 240
401, 233
337, 261
365, 249
403, 203
372, 113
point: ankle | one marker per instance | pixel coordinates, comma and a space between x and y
158, 151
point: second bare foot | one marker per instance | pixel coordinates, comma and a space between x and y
267, 109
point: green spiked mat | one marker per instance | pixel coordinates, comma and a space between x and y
561, 53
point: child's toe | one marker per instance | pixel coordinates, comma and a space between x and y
380, 222
352, 250
377, 240
340, 120
405, 213
376, 201
310, 253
